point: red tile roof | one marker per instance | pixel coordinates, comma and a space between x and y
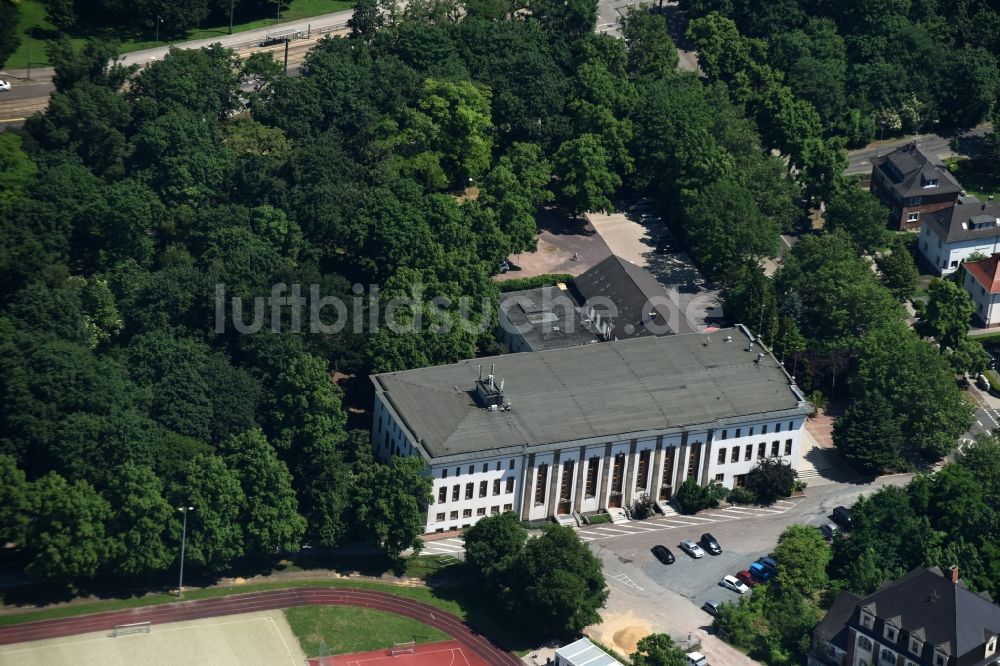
986, 272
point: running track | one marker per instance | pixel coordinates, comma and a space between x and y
261, 601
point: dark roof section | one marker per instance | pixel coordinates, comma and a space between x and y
952, 617
635, 294
547, 318
909, 169
652, 384
833, 626
968, 221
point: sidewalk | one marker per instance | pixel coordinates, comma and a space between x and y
240, 40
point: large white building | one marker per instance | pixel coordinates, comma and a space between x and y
950, 236
585, 428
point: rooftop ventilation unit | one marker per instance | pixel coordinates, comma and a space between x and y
489, 394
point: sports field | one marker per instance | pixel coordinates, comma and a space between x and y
445, 653
262, 638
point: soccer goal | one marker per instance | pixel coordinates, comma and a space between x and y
133, 628
406, 647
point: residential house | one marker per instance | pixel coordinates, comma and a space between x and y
982, 281
912, 185
926, 618
950, 236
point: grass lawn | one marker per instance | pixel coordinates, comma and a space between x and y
33, 23
325, 630
972, 178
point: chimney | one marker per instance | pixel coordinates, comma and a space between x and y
953, 573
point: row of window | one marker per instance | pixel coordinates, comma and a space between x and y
472, 468
763, 430
748, 451
470, 489
467, 513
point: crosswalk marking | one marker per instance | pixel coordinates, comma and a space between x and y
611, 529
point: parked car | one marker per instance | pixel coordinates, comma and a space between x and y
4, 85
697, 659
828, 530
770, 565
983, 383
760, 572
711, 607
732, 583
663, 554
709, 543
505, 266
842, 516
747, 578
641, 205
691, 548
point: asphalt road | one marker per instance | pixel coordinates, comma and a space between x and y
932, 144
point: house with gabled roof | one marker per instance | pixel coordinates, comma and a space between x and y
982, 281
912, 185
926, 618
950, 236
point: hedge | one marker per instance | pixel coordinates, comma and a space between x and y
517, 284
598, 519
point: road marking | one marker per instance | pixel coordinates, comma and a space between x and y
707, 520
622, 578
644, 528
679, 522
979, 423
611, 529
444, 547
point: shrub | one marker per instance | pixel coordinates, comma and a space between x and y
642, 507
517, 284
770, 479
742, 495
692, 497
598, 519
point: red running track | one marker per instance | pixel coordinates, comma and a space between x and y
261, 601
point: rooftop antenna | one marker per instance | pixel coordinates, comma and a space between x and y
501, 384
750, 345
480, 372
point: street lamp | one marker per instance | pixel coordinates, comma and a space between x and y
184, 510
158, 22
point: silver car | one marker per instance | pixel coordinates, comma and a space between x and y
691, 548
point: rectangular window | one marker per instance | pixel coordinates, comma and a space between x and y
511, 464
736, 454
592, 466
510, 485
458, 471
761, 449
508, 507
494, 509
496, 486
468, 491
440, 517
693, 459
749, 452
481, 511
763, 430
541, 479
444, 473
913, 201
774, 448
455, 489
486, 467
566, 487
720, 477
739, 480
724, 433
791, 425
750, 434
454, 515
442, 495
788, 447
738, 431
482, 488
466, 513
498, 466
618, 474
472, 469
642, 472
777, 427
722, 457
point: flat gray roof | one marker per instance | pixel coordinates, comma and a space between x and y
598, 391
585, 653
547, 318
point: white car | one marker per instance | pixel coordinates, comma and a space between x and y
4, 85
732, 583
691, 548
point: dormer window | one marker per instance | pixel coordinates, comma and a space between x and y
890, 633
913, 201
915, 646
867, 620
940, 659
930, 182
991, 647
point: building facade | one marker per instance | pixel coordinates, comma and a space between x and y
926, 618
949, 237
911, 185
583, 429
982, 280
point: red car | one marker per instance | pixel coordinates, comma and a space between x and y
745, 578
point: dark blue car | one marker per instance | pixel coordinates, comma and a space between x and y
760, 572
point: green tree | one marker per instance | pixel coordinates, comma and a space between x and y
770, 479
651, 52
567, 19
693, 497
516, 188
870, 435
143, 527
803, 555
66, 540
493, 545
214, 531
969, 357
10, 36
366, 20
60, 13
947, 315
557, 584
15, 502
392, 503
658, 650
586, 181
270, 514
898, 272
861, 216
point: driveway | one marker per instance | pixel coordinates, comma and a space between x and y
565, 245
859, 161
